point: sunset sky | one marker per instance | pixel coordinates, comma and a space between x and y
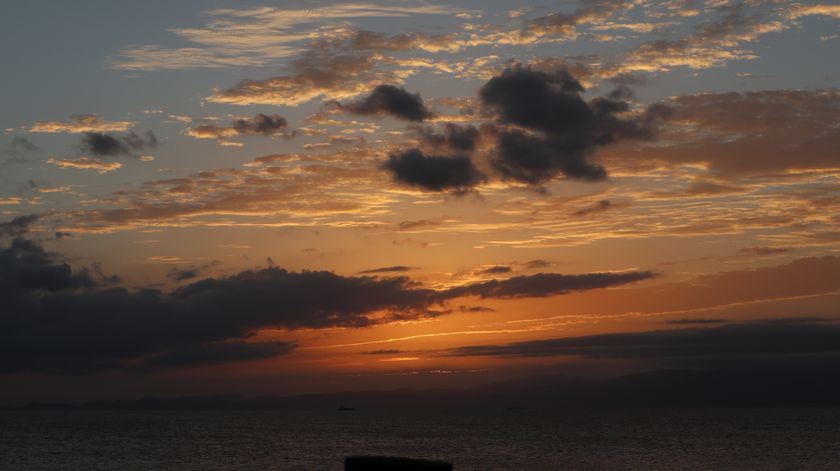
271, 198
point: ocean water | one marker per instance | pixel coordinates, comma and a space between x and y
702, 439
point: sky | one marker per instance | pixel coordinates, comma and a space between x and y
276, 198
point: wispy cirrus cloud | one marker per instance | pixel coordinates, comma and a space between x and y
821, 9
78, 124
86, 163
258, 36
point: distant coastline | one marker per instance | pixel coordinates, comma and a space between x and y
756, 387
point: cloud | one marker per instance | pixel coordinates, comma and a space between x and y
26, 267
18, 226
696, 321
727, 345
799, 11
191, 272
788, 129
340, 62
370, 40
258, 125
543, 128
598, 207
315, 74
85, 163
564, 24
560, 26
389, 100
83, 123
745, 290
106, 145
318, 186
532, 264
548, 284
75, 329
496, 270
556, 130
712, 44
181, 274
418, 224
433, 173
61, 320
219, 352
261, 124
454, 138
259, 36
764, 251
394, 269
389, 351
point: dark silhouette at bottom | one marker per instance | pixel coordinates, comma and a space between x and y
392, 463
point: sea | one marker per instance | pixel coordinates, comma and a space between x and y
598, 439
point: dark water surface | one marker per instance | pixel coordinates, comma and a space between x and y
761, 439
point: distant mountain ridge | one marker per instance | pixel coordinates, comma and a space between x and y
763, 387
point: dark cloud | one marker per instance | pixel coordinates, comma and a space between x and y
181, 274
546, 101
696, 346
18, 226
531, 264
56, 319
408, 225
764, 251
471, 309
696, 321
188, 273
394, 269
76, 330
219, 352
543, 128
598, 207
26, 267
453, 138
557, 131
496, 270
531, 159
434, 173
389, 100
384, 352
260, 124
106, 145
548, 284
